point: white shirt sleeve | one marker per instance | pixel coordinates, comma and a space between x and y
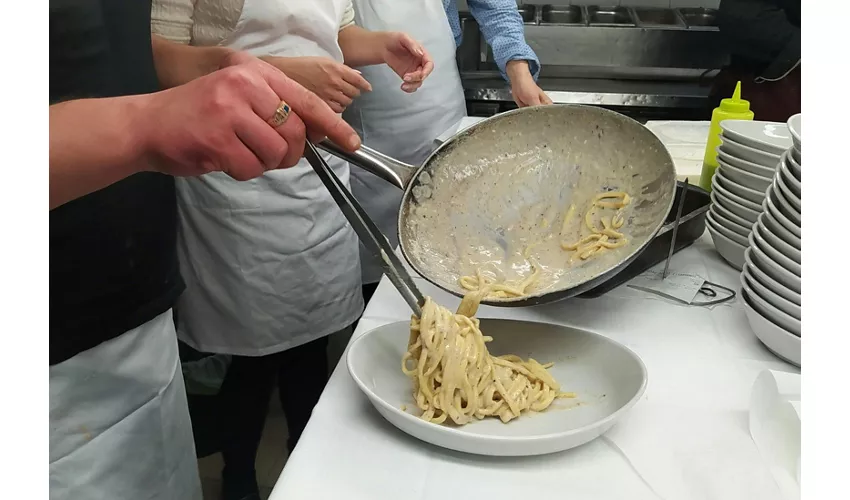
347, 17
173, 19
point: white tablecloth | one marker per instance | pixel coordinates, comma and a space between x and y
687, 438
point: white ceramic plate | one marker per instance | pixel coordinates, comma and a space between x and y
762, 170
744, 178
769, 221
780, 342
731, 147
720, 209
775, 242
607, 377
771, 297
732, 252
722, 185
773, 205
772, 268
728, 224
773, 137
762, 277
741, 211
785, 194
794, 128
773, 253
788, 176
767, 310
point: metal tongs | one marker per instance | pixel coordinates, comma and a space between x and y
367, 231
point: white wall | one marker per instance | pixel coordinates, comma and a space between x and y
630, 3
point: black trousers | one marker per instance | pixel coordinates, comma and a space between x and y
301, 374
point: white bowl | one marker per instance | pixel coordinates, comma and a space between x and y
780, 342
775, 242
607, 377
772, 137
772, 203
762, 170
767, 310
741, 211
768, 219
763, 278
738, 189
774, 299
726, 223
721, 209
790, 179
772, 268
734, 192
794, 127
781, 188
731, 147
735, 236
744, 178
797, 157
786, 262
732, 252
793, 164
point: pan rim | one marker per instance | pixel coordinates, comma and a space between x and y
534, 298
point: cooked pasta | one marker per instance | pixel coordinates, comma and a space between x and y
500, 290
602, 238
455, 379
606, 237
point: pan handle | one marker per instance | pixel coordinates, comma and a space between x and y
391, 170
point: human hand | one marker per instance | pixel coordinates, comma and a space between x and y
335, 83
220, 122
408, 59
523, 87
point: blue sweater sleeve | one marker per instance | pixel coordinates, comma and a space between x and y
502, 27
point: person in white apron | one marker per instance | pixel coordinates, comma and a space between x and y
271, 265
148, 424
404, 125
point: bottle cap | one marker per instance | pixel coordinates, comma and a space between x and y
735, 104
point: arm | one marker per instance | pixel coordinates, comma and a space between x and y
218, 122
361, 47
178, 64
92, 145
758, 30
171, 35
503, 30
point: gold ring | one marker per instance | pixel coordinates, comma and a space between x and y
281, 114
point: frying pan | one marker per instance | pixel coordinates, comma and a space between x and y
500, 190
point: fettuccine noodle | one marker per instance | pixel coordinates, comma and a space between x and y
600, 239
607, 237
455, 378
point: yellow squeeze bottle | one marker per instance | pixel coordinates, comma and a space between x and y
733, 108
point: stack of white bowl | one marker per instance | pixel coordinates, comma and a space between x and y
770, 280
747, 159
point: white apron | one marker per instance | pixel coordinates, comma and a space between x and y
271, 263
119, 421
394, 122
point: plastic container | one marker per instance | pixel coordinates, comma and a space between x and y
732, 108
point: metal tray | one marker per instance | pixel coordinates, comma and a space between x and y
658, 18
567, 15
700, 18
609, 16
691, 227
